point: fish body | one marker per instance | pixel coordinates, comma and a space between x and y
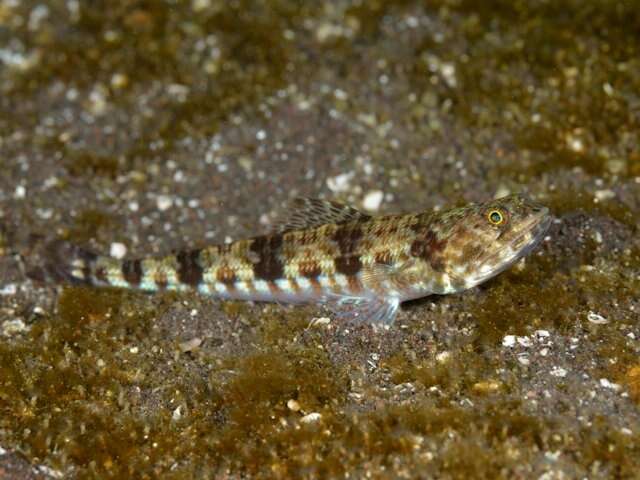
360, 266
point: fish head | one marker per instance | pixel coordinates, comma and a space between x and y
481, 240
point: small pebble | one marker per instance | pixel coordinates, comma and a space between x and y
597, 236
44, 213
443, 357
97, 100
487, 387
524, 341
118, 250
604, 383
164, 202
596, 318
558, 372
200, 5
119, 80
340, 183
11, 327
177, 414
509, 341
20, 192
50, 472
616, 166
373, 200
552, 456
311, 417
319, 322
190, 345
602, 195
178, 92
502, 191
574, 143
293, 405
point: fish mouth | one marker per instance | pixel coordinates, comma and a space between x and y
536, 227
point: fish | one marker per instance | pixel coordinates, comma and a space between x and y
360, 267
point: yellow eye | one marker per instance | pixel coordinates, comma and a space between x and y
496, 217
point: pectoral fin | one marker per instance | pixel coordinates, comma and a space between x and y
375, 310
399, 277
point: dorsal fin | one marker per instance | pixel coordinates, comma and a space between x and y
312, 212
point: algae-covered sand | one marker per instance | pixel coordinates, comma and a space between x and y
138, 127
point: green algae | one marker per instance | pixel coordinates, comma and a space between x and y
603, 447
632, 380
75, 394
490, 427
94, 387
68, 363
256, 400
463, 371
543, 295
280, 329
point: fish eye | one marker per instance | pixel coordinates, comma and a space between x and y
496, 217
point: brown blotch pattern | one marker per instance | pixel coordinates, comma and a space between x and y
161, 280
347, 238
309, 269
224, 248
132, 271
267, 249
308, 238
225, 274
429, 248
419, 226
384, 229
189, 269
349, 265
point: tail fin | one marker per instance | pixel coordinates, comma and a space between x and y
65, 262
